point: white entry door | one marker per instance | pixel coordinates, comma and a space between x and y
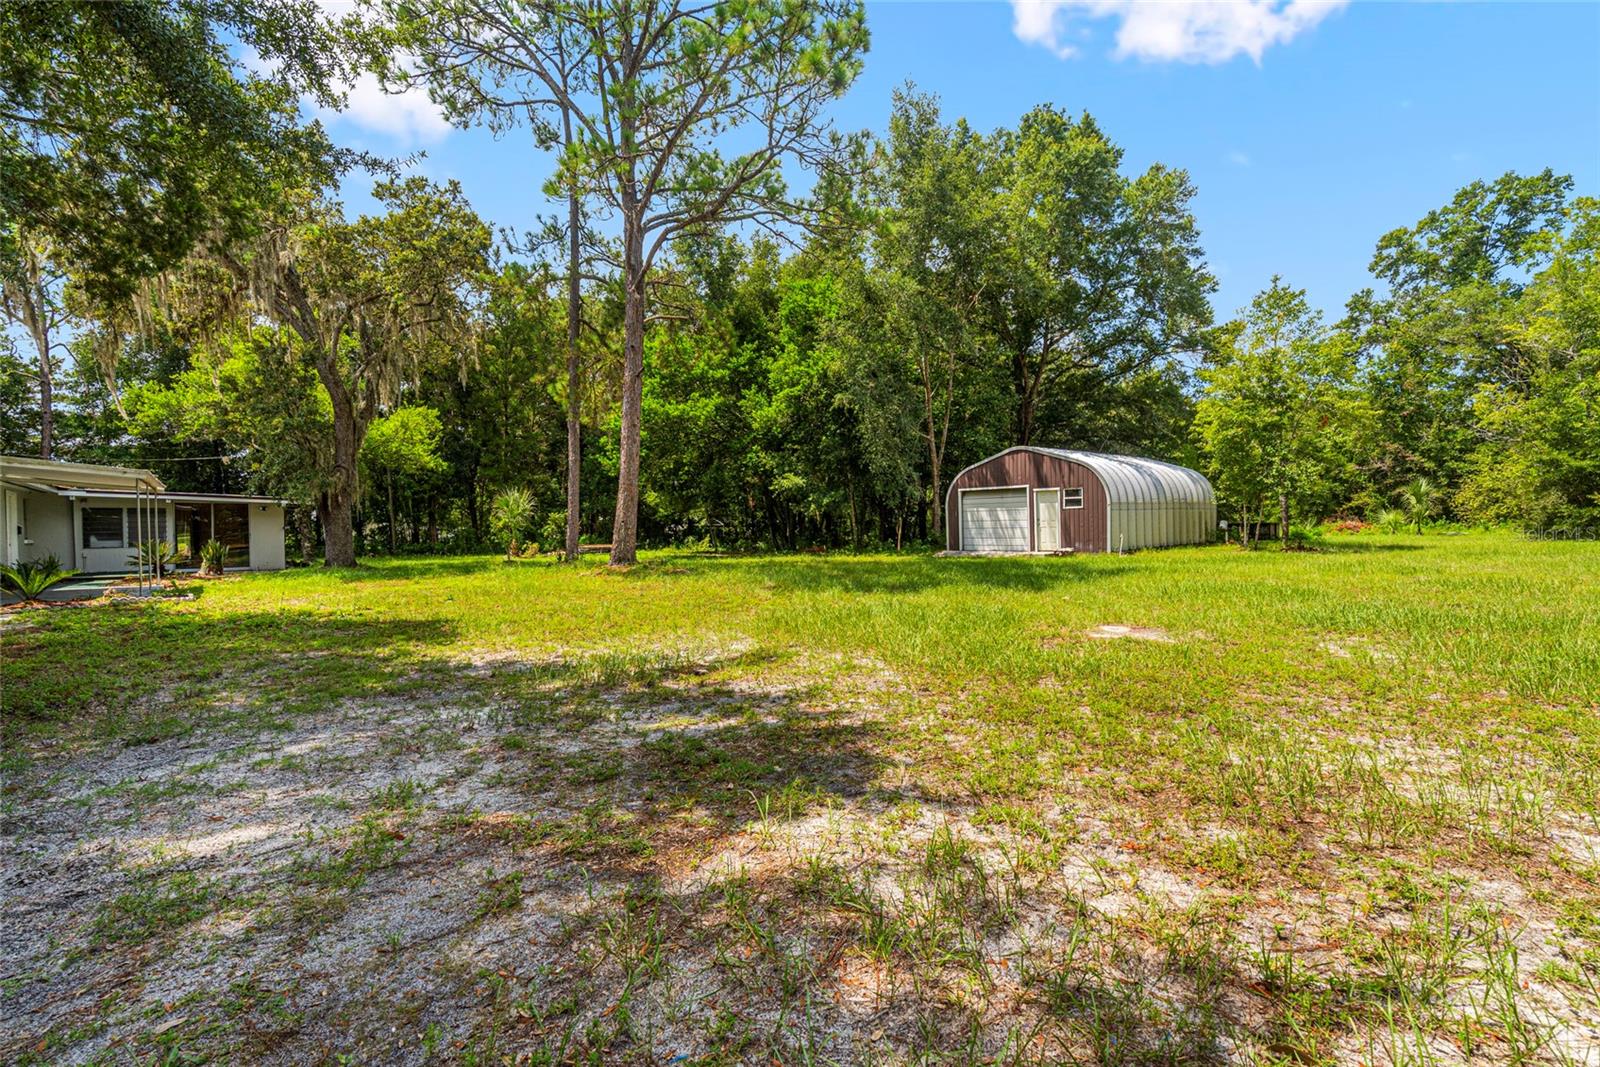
13, 527
994, 520
1047, 520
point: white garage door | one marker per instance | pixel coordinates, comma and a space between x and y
994, 520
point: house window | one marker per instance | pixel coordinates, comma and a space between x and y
1072, 498
230, 524
140, 525
102, 528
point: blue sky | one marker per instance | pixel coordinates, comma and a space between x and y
1309, 129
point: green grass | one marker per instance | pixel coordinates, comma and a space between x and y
1284, 675
1357, 736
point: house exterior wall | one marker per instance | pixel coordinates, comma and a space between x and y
1082, 529
46, 525
266, 537
47, 522
111, 560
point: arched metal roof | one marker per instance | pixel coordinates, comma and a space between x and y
1135, 480
1149, 503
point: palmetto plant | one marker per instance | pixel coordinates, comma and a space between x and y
1419, 499
510, 516
1390, 520
29, 580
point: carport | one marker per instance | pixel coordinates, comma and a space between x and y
40, 483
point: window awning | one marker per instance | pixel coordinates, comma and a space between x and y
57, 475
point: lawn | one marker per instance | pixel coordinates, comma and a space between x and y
1185, 806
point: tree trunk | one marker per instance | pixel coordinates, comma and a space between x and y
625, 528
574, 384
305, 531
1283, 519
35, 306
855, 529
338, 525
389, 480
1021, 382
47, 417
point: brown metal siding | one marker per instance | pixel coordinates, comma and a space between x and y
1082, 529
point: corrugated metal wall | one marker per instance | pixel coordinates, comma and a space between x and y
1082, 529
1128, 502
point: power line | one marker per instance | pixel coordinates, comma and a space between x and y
182, 459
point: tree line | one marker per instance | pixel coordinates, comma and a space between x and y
685, 348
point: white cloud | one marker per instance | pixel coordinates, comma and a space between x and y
408, 117
1036, 22
1184, 31
1238, 158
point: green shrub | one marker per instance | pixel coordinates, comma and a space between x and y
510, 516
1390, 520
1419, 499
1305, 538
213, 557
554, 530
156, 556
29, 580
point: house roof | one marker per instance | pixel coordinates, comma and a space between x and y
190, 498
55, 474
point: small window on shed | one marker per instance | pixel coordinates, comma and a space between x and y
1072, 498
102, 528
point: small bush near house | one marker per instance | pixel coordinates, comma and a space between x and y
29, 580
213, 557
155, 556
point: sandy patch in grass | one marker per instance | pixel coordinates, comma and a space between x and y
638, 857
1111, 631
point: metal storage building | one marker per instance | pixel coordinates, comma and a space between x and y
1029, 499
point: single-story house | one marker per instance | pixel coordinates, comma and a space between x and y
1029, 499
92, 516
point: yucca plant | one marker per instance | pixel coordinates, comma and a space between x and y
29, 580
213, 557
156, 555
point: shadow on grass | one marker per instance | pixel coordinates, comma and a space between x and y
596, 832
877, 574
69, 666
393, 568
390, 835
1354, 548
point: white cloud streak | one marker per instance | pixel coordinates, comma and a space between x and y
409, 117
1180, 31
